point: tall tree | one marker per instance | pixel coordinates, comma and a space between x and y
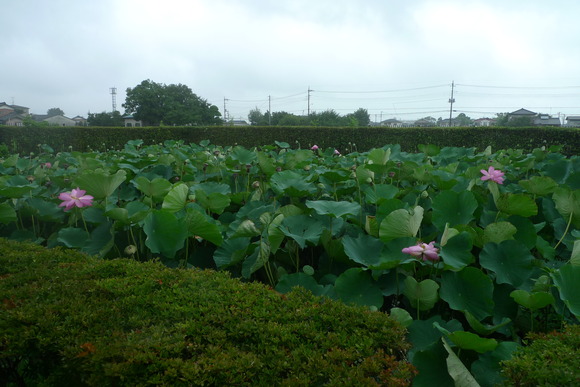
110, 119
54, 112
359, 118
155, 104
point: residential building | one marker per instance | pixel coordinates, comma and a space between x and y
573, 121
12, 115
484, 122
130, 121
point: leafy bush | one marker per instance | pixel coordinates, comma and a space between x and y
71, 319
551, 360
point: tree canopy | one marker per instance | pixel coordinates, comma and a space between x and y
105, 119
326, 118
55, 112
156, 104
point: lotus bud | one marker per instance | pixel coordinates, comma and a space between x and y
130, 250
424, 194
307, 167
256, 184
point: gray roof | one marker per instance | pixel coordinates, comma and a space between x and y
523, 112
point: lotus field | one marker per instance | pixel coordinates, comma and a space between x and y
469, 250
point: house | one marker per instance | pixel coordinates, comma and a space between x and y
130, 121
55, 120
12, 115
80, 121
522, 113
573, 121
392, 123
239, 123
484, 122
546, 120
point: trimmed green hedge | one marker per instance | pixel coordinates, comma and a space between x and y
26, 140
551, 360
68, 319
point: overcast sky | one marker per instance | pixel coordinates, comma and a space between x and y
395, 58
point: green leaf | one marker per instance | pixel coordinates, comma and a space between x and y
567, 281
7, 213
364, 249
498, 232
156, 188
510, 260
456, 254
231, 252
484, 329
379, 156
457, 370
401, 223
288, 281
198, 224
73, 237
487, 369
166, 234
336, 209
575, 258
358, 287
101, 240
302, 229
100, 184
246, 229
468, 290
402, 316
176, 198
568, 204
471, 341
453, 208
539, 185
291, 183
214, 202
532, 301
422, 295
257, 259
517, 204
432, 366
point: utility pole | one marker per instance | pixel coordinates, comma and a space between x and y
269, 110
225, 110
114, 98
309, 100
451, 100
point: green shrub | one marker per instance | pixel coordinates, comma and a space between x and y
70, 319
551, 360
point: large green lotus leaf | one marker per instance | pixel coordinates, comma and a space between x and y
575, 258
510, 260
456, 254
45, 210
266, 163
275, 235
468, 290
364, 175
166, 234
559, 170
401, 223
101, 240
457, 370
517, 204
201, 225
484, 329
176, 198
567, 281
568, 204
289, 281
422, 295
120, 215
336, 209
357, 286
156, 188
137, 211
73, 237
94, 215
291, 183
423, 333
532, 301
214, 202
379, 193
487, 369
525, 231
7, 213
242, 155
498, 232
302, 229
539, 185
379, 156
335, 176
257, 259
453, 208
402, 316
363, 249
100, 184
231, 252
471, 341
15, 191
432, 366
247, 228
212, 187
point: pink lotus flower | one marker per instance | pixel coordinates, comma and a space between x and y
46, 165
76, 198
427, 252
336, 152
314, 147
493, 175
